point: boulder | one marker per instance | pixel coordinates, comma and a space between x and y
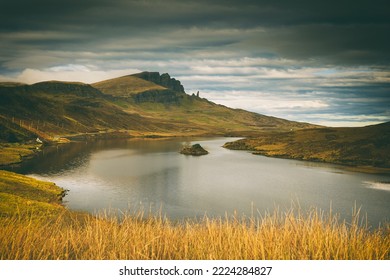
194, 150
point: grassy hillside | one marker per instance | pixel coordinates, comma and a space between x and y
53, 109
362, 146
132, 105
191, 114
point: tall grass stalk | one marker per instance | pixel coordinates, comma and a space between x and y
279, 235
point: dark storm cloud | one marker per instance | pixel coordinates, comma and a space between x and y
333, 30
233, 12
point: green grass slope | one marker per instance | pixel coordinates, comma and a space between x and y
22, 195
362, 146
120, 86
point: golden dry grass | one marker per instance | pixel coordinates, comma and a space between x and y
35, 226
274, 236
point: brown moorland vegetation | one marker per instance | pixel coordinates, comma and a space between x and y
353, 146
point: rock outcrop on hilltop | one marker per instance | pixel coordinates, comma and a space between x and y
163, 80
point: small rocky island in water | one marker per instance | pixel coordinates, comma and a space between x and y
194, 150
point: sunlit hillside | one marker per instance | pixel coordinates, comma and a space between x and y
126, 86
129, 106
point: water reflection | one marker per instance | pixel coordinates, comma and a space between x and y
152, 174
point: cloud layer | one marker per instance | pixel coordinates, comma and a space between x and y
326, 62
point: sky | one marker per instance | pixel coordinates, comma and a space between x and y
323, 62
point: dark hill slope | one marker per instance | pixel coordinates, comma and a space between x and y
356, 146
11, 132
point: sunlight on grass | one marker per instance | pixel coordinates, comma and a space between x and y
288, 235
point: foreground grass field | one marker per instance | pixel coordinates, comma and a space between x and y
34, 226
277, 236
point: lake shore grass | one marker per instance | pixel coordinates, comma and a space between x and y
277, 236
20, 194
35, 226
360, 149
15, 153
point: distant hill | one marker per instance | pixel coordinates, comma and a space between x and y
143, 104
355, 146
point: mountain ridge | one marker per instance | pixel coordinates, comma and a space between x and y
134, 105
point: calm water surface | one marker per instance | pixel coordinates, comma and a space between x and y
151, 174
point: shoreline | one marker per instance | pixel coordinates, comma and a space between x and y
27, 151
368, 169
